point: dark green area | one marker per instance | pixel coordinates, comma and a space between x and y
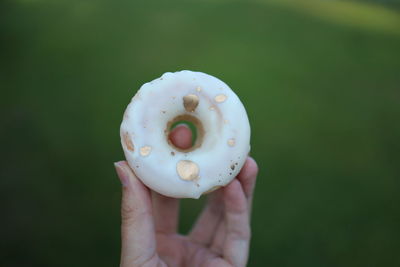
323, 100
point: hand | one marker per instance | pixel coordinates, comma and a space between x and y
220, 237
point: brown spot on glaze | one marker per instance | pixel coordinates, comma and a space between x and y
187, 170
231, 142
190, 102
128, 142
220, 98
232, 167
163, 111
212, 189
172, 153
209, 101
145, 151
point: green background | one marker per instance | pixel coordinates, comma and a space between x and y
320, 81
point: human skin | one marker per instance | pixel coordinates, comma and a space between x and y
220, 236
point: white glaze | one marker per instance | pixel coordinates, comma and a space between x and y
160, 101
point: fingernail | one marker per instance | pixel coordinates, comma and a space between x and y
122, 174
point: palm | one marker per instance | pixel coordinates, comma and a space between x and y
178, 250
220, 237
206, 243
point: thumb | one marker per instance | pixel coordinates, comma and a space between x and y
137, 228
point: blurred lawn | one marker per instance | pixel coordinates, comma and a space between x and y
321, 90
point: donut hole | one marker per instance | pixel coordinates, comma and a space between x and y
182, 135
182, 126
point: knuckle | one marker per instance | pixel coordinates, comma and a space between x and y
131, 215
127, 212
242, 233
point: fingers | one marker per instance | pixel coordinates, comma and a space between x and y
247, 176
181, 136
219, 237
247, 179
237, 228
165, 211
206, 225
137, 229
210, 227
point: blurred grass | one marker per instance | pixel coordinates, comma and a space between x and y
321, 91
368, 16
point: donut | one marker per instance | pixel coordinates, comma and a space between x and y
219, 124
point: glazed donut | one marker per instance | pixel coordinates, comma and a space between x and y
221, 130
